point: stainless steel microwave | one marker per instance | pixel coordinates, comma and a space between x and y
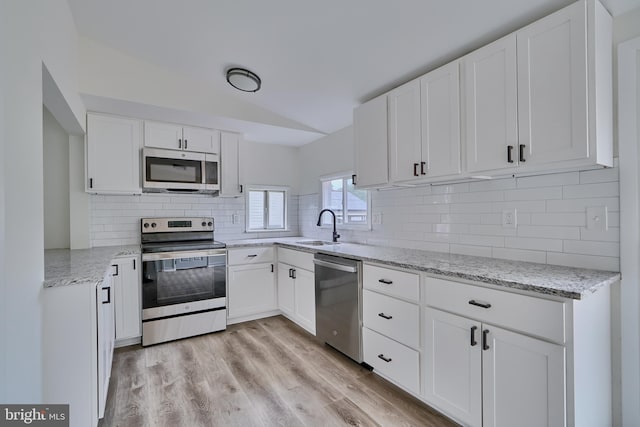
180, 171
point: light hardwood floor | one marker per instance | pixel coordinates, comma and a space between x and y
267, 372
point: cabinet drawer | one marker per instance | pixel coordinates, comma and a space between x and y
535, 316
296, 258
400, 363
391, 317
392, 282
253, 255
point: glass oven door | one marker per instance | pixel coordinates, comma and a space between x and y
170, 278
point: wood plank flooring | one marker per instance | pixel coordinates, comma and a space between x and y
268, 372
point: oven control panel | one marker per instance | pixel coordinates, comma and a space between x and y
168, 225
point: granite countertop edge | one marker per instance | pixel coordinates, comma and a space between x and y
65, 267
570, 290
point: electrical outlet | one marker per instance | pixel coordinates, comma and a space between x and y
597, 218
234, 218
377, 218
509, 218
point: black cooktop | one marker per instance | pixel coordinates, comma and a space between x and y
184, 245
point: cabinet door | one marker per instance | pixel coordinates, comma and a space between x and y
126, 297
491, 105
523, 380
453, 372
440, 110
251, 290
106, 338
305, 299
230, 164
285, 290
552, 87
201, 140
163, 135
113, 155
370, 137
404, 132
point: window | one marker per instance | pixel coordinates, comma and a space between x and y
350, 204
266, 209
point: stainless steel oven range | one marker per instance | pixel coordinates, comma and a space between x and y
183, 279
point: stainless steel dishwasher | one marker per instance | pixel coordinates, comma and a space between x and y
339, 303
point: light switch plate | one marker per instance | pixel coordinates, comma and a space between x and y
597, 218
509, 218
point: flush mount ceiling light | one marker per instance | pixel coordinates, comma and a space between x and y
243, 79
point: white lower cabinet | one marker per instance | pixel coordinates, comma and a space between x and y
78, 341
251, 285
297, 287
127, 300
252, 290
483, 375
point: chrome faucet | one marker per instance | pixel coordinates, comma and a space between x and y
335, 233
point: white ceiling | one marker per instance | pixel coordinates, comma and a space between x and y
317, 59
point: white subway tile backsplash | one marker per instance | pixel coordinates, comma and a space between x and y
610, 235
549, 231
491, 230
451, 228
450, 188
489, 185
533, 243
521, 206
546, 193
586, 247
471, 250
550, 180
584, 261
477, 240
570, 219
469, 207
602, 189
520, 255
599, 175
581, 205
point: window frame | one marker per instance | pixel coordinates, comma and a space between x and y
345, 176
266, 189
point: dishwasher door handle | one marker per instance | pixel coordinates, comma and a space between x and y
339, 267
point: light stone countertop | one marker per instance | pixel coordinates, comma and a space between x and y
567, 282
64, 267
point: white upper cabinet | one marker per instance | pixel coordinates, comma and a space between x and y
177, 137
552, 82
405, 140
370, 140
113, 154
491, 101
440, 108
230, 164
540, 99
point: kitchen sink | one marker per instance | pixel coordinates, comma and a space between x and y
316, 243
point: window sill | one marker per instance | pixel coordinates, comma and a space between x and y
347, 227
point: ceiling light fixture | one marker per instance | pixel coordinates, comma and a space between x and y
243, 79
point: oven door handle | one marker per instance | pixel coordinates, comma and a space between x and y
183, 254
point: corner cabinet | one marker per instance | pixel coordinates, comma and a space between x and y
296, 287
79, 336
370, 142
177, 137
113, 155
230, 165
251, 292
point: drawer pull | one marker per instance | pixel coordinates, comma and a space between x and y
385, 316
480, 304
381, 356
473, 336
252, 256
385, 281
485, 346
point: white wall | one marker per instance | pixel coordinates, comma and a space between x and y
4, 320
269, 164
56, 182
329, 155
32, 33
